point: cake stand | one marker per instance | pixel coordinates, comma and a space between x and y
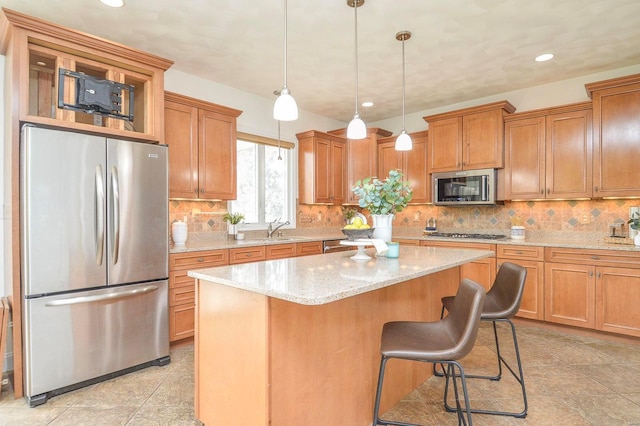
361, 244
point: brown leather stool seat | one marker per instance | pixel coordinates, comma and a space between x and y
502, 303
443, 342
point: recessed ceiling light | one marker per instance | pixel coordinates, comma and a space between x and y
113, 3
544, 57
367, 104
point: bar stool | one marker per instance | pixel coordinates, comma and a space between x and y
443, 342
502, 303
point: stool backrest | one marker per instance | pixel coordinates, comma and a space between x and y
505, 296
463, 320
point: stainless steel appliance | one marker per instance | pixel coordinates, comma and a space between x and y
332, 246
464, 187
94, 214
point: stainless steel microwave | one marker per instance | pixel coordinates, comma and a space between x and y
466, 187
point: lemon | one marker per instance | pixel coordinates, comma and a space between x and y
364, 226
351, 226
357, 222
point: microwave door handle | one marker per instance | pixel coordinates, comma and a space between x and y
99, 215
484, 193
115, 206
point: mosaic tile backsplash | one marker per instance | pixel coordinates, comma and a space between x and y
588, 216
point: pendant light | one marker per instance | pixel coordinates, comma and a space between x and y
403, 142
356, 129
285, 107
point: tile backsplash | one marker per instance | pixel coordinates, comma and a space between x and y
588, 216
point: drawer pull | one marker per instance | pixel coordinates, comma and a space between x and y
249, 254
201, 259
519, 252
595, 257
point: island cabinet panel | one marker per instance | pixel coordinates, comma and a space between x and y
308, 248
322, 165
202, 148
531, 258
482, 271
468, 139
412, 164
616, 131
362, 158
310, 365
548, 153
182, 288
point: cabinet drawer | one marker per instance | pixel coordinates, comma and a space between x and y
180, 279
479, 246
182, 295
198, 259
281, 251
247, 254
520, 252
625, 259
305, 249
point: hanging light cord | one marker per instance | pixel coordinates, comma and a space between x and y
355, 7
285, 43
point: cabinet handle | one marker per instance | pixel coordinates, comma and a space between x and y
195, 191
542, 191
591, 274
595, 189
599, 275
595, 257
548, 191
249, 254
200, 259
519, 252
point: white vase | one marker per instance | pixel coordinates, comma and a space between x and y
179, 233
383, 226
232, 231
636, 240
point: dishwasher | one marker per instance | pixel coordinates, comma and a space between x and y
332, 246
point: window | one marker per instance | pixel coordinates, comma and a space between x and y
265, 190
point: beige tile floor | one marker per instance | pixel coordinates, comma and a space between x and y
571, 380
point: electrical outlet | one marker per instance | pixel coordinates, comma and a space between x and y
5, 381
586, 218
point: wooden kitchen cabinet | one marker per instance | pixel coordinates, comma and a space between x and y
308, 248
531, 258
202, 148
482, 271
182, 288
548, 153
362, 158
593, 288
247, 254
322, 164
616, 132
468, 139
280, 251
412, 164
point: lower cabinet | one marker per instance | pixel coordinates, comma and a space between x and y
531, 258
182, 288
596, 289
482, 271
309, 248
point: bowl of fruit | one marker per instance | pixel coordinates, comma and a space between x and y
358, 228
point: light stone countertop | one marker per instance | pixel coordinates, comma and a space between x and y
321, 279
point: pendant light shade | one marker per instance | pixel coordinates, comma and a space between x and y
356, 129
285, 107
403, 142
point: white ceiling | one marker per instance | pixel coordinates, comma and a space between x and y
460, 49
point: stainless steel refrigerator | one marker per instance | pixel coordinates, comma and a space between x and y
94, 226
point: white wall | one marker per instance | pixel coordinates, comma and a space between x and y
544, 96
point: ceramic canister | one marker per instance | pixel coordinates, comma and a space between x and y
179, 233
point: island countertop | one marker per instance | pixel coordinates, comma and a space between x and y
321, 279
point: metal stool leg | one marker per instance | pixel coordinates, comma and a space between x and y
460, 410
376, 408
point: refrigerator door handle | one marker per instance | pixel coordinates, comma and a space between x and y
101, 297
99, 215
115, 205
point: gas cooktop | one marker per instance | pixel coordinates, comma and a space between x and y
465, 235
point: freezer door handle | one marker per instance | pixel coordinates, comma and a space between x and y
101, 297
115, 205
99, 215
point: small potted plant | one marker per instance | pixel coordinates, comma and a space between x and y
634, 223
233, 219
383, 198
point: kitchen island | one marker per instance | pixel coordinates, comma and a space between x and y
296, 341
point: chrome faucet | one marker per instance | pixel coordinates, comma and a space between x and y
271, 229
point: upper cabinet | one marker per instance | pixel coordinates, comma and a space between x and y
60, 76
322, 164
362, 158
411, 163
468, 139
548, 153
616, 132
202, 148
